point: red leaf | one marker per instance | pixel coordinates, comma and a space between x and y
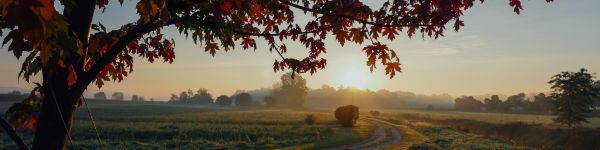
72, 76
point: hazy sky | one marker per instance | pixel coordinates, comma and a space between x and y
497, 52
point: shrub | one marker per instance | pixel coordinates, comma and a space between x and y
347, 115
310, 119
374, 113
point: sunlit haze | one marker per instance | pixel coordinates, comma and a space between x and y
497, 52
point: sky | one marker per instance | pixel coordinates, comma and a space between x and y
497, 52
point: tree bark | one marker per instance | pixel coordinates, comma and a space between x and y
58, 106
56, 113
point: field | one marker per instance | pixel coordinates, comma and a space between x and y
124, 125
499, 118
163, 126
467, 130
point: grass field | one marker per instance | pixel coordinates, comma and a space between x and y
594, 122
466, 130
162, 126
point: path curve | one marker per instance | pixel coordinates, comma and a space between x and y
384, 134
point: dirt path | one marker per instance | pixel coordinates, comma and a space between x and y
383, 135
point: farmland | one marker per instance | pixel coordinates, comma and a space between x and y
498, 118
126, 125
163, 126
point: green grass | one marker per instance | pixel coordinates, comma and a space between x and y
594, 122
154, 126
420, 135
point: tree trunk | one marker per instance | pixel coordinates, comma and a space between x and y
58, 106
56, 113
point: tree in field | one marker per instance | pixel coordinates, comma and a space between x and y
573, 97
291, 92
69, 52
515, 103
493, 103
100, 96
117, 96
541, 104
467, 103
202, 97
243, 99
223, 100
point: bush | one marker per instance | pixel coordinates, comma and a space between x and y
310, 119
347, 115
374, 113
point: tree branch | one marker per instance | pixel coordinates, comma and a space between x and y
135, 33
13, 134
269, 34
350, 17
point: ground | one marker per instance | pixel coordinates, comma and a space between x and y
124, 125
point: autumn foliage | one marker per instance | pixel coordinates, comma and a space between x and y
347, 115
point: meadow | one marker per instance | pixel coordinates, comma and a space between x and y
469, 130
164, 126
126, 125
498, 118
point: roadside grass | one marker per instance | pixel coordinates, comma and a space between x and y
474, 134
341, 136
424, 135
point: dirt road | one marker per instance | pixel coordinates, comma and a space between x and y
383, 135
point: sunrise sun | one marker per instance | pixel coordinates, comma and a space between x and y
355, 77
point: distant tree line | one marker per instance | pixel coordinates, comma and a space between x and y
202, 96
519, 103
119, 96
575, 96
331, 97
13, 96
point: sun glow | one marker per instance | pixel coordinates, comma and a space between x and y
354, 77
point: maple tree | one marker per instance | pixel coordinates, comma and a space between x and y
71, 52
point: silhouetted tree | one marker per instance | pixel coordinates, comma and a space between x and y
184, 97
202, 97
223, 100
493, 104
291, 92
174, 98
573, 96
243, 99
515, 103
541, 104
100, 96
468, 103
118, 96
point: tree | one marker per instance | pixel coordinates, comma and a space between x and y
541, 104
100, 96
174, 98
573, 96
515, 103
223, 100
202, 97
243, 99
135, 98
71, 52
117, 96
493, 103
467, 103
290, 93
